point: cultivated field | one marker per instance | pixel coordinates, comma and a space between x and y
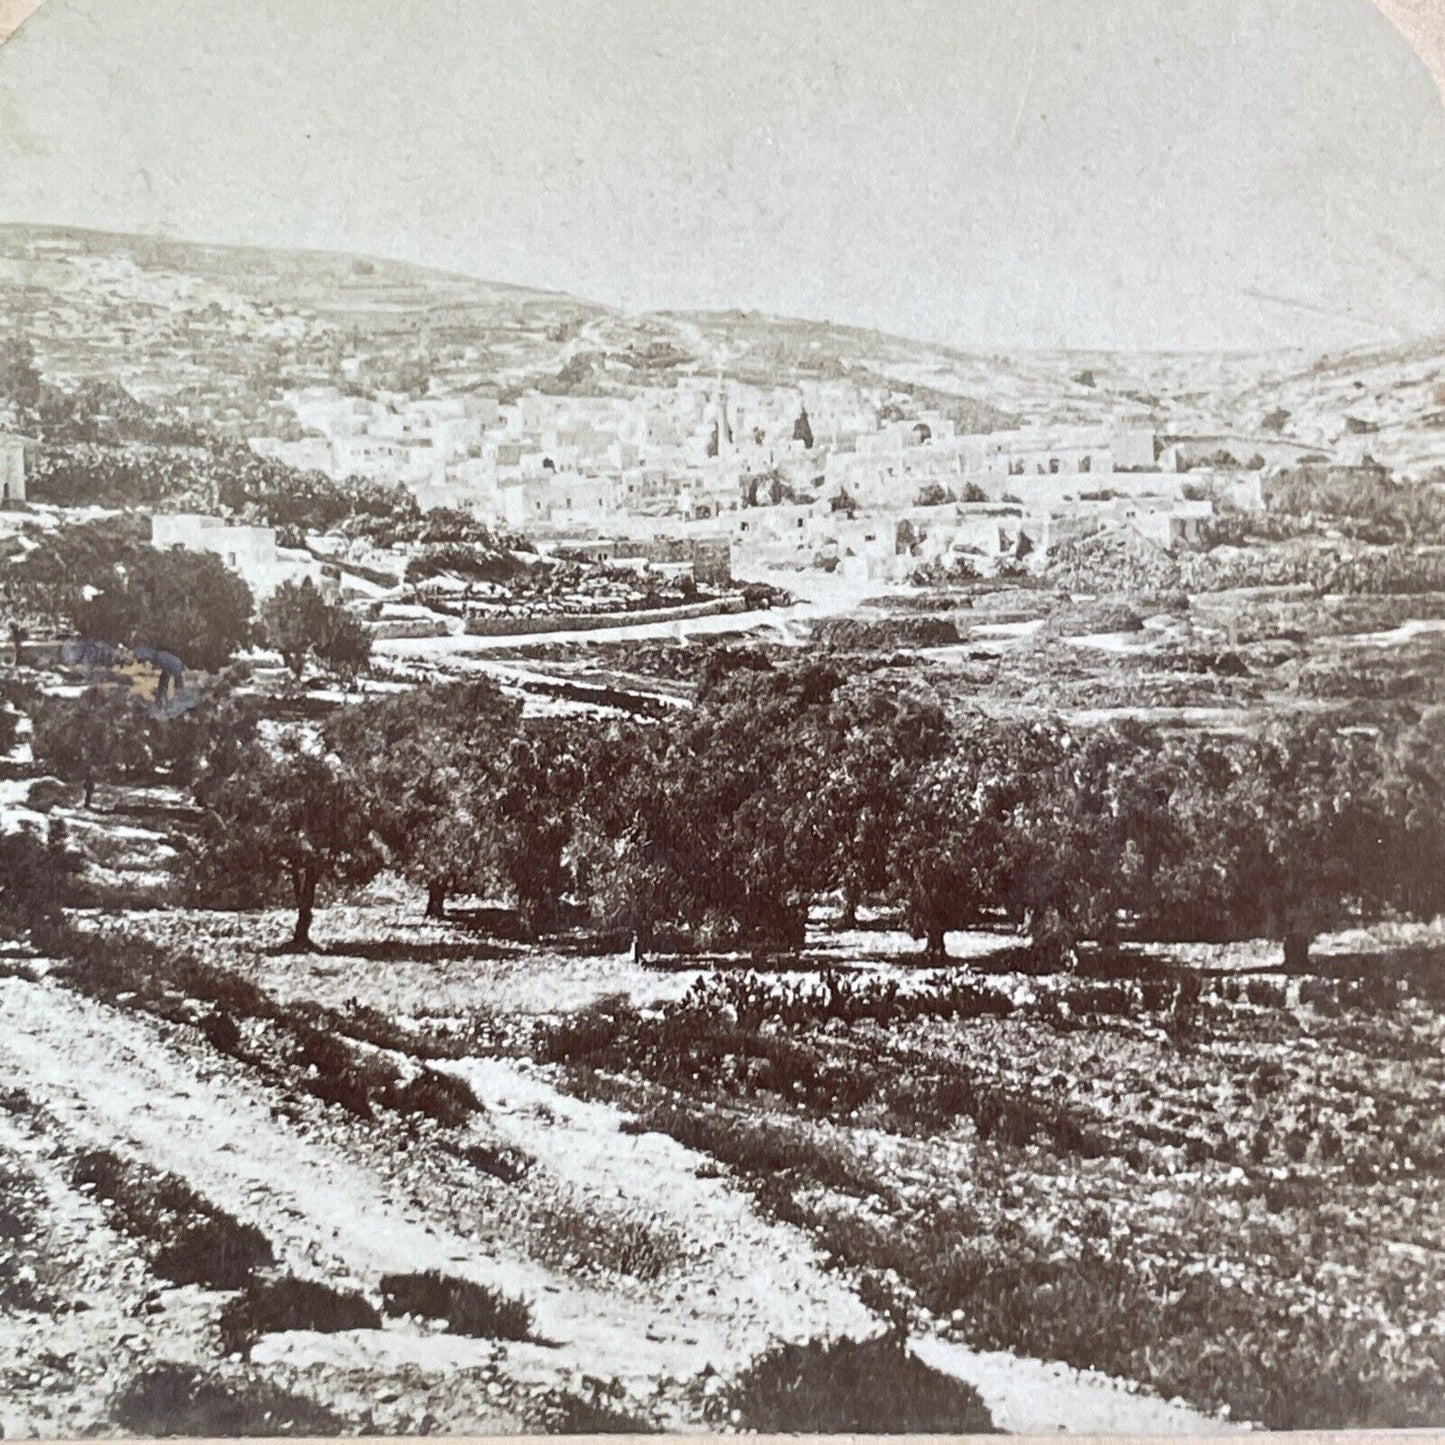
1188, 1196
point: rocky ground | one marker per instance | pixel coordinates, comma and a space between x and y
653, 1275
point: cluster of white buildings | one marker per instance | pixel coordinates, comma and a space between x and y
825, 473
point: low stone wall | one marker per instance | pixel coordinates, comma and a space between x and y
401, 627
594, 621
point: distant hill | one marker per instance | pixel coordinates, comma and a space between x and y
221, 330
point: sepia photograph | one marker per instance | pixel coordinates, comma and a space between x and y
721, 718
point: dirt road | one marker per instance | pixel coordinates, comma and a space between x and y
338, 1204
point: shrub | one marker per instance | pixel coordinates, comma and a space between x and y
169, 982
468, 1308
870, 1386
560, 1412
292, 1304
341, 1074
1265, 993
617, 1242
439, 1096
178, 1400
759, 1149
508, 1165
187, 1239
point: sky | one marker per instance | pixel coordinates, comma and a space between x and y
1151, 174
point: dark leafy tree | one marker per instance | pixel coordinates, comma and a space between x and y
189, 604
51, 581
300, 624
754, 757
881, 742
1098, 830
205, 743
344, 647
526, 833
628, 855
293, 619
102, 736
1417, 808
1308, 806
290, 816
428, 761
957, 849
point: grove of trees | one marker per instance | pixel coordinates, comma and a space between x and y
725, 823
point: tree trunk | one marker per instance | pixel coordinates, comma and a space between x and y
934, 946
642, 936
89, 791
850, 908
436, 900
305, 909
1296, 952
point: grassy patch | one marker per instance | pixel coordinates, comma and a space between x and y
467, 1307
627, 1242
292, 1304
758, 1149
179, 1400
869, 1386
186, 1239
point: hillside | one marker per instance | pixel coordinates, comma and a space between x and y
220, 330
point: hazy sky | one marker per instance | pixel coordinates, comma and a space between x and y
997, 173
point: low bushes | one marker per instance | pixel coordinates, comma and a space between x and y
739, 1033
868, 1386
886, 635
179, 1400
186, 1239
467, 1307
1086, 619
175, 985
628, 1243
292, 1304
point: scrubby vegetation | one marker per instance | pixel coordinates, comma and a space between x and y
343, 1059
467, 1307
849, 634
869, 1387
580, 1237
181, 1400
1185, 1223
187, 1239
292, 1304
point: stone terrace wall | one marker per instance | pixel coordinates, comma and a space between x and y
591, 621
